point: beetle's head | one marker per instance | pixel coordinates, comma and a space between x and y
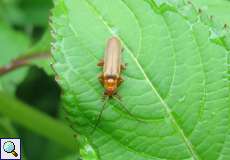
110, 85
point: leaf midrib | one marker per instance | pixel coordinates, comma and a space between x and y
165, 105
90, 123
99, 129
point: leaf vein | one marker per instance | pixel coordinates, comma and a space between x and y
165, 105
139, 26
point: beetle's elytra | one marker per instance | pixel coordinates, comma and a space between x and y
112, 66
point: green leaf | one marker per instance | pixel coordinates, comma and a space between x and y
11, 13
86, 150
218, 8
176, 80
45, 99
42, 47
6, 128
13, 44
71, 157
36, 12
24, 115
25, 13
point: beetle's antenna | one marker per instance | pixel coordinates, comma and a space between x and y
100, 114
127, 109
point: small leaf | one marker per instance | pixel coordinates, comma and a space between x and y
176, 80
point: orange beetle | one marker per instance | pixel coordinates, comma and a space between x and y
111, 78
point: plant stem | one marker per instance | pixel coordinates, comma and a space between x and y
22, 61
37, 122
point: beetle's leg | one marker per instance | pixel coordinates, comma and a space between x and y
100, 114
101, 79
119, 81
116, 95
100, 63
104, 96
123, 66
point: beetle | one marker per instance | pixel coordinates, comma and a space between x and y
111, 75
112, 66
110, 78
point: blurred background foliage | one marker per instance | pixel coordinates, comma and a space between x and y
25, 36
24, 32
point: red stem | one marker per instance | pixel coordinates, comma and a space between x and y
22, 61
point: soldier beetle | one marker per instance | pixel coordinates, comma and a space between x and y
111, 75
111, 78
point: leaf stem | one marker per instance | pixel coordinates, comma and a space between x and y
22, 61
37, 122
